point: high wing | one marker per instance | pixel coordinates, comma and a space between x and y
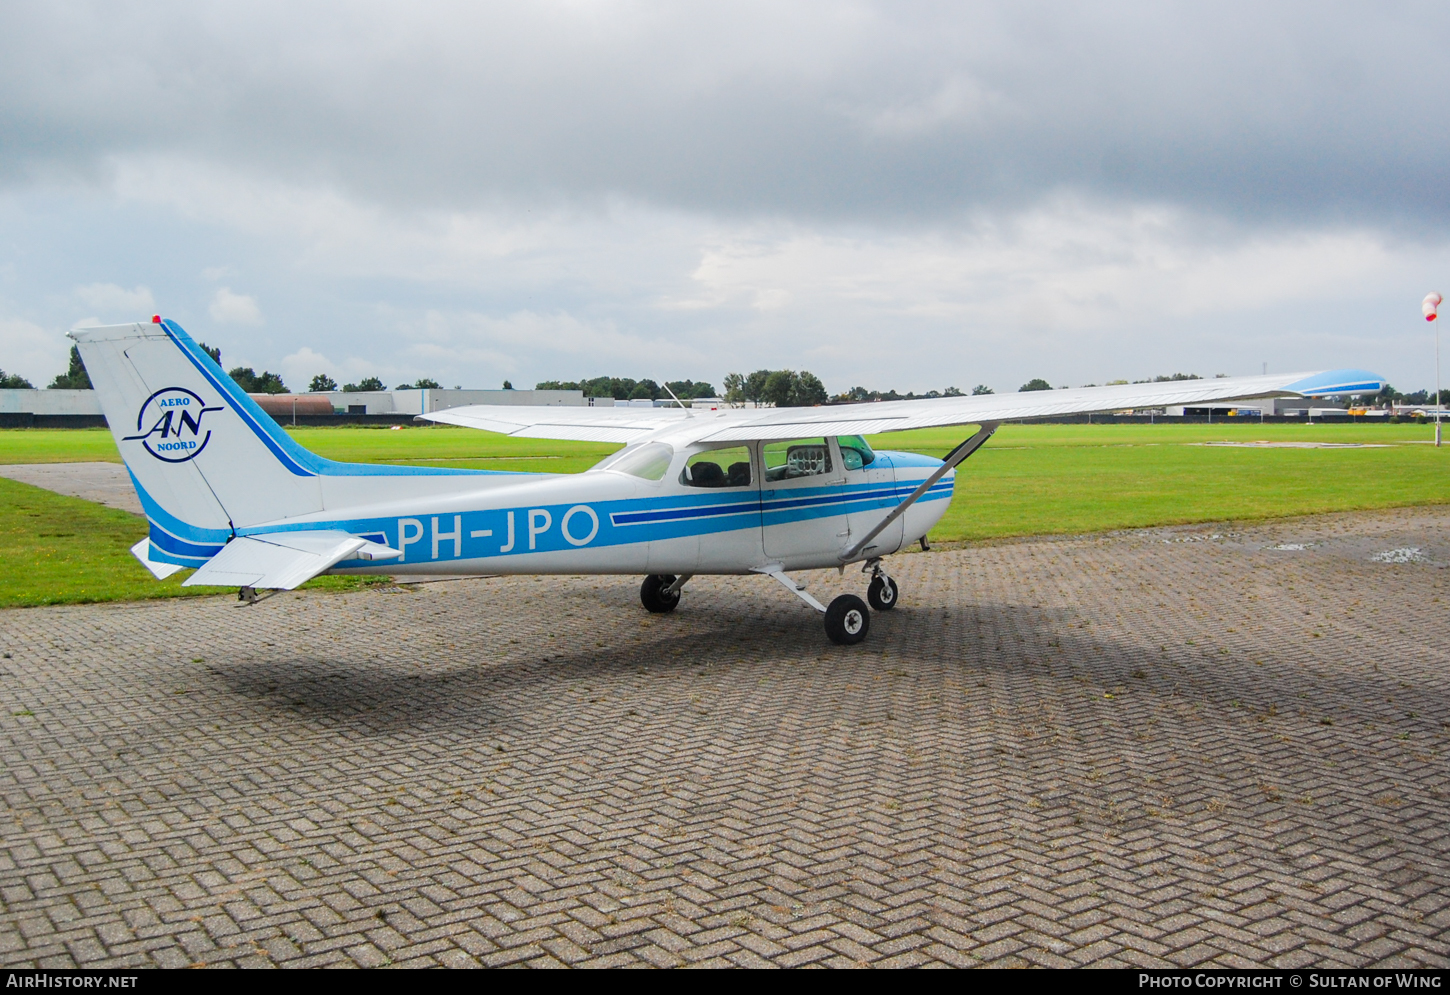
577, 424
630, 425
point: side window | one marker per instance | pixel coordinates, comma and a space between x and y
718, 468
797, 458
855, 452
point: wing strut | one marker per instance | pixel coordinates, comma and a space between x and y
953, 458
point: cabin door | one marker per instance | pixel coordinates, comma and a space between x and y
803, 501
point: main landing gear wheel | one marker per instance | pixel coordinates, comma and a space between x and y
847, 620
882, 593
652, 593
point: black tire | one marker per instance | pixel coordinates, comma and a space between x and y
652, 593
882, 593
847, 620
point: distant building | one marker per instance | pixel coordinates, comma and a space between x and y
1301, 407
49, 402
422, 401
283, 406
21, 407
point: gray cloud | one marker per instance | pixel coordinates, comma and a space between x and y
887, 194
875, 113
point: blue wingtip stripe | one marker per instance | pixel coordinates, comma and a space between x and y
1338, 382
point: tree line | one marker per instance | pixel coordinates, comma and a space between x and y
781, 388
323, 382
74, 378
1389, 395
1037, 383
862, 394
625, 389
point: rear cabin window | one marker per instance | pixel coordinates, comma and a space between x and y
797, 458
729, 467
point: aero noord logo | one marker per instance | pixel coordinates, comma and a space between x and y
175, 434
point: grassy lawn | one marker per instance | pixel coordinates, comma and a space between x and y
1046, 479
57, 445
443, 445
1029, 480
64, 550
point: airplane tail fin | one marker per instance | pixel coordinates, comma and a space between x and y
208, 463
205, 459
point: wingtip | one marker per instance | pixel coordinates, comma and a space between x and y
1338, 382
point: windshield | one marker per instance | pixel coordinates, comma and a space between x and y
649, 462
855, 452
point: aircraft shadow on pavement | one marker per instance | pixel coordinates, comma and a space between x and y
1034, 656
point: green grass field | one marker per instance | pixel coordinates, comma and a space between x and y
1029, 480
63, 550
1051, 479
416, 446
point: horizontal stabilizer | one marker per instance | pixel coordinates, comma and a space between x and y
159, 570
283, 560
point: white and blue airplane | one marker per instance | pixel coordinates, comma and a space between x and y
738, 491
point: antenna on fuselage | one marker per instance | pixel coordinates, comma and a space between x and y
687, 411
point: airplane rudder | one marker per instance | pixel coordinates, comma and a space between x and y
139, 396
190, 435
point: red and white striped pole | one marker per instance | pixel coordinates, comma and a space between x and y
1429, 306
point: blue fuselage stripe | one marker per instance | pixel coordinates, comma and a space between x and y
164, 540
681, 514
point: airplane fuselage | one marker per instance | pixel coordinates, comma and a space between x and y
609, 522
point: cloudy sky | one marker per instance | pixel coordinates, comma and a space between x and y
894, 195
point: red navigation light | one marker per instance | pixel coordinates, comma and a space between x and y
156, 319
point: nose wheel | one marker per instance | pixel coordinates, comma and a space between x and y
882, 593
847, 619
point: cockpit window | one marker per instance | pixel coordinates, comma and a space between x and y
729, 467
855, 452
798, 458
648, 462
